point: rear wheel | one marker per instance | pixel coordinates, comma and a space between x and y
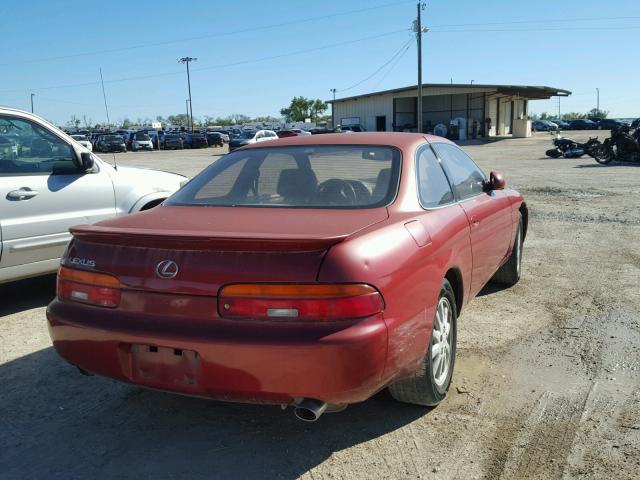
429, 385
509, 273
553, 153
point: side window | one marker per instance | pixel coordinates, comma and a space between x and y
27, 148
433, 186
467, 178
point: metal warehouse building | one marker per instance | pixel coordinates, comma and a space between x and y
454, 110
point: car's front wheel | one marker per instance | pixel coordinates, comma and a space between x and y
429, 385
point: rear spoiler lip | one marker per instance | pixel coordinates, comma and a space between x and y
197, 240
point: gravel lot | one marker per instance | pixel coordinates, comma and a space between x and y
547, 383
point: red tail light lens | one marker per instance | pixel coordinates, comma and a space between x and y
299, 302
88, 287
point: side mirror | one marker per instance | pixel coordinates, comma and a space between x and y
87, 161
496, 182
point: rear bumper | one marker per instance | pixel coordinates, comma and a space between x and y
234, 361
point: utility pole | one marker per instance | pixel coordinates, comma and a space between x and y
186, 103
186, 60
32, 95
333, 109
598, 101
559, 116
417, 27
104, 97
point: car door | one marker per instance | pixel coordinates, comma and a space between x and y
489, 213
43, 192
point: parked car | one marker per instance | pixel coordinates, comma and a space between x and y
215, 139
84, 141
49, 183
170, 141
140, 141
583, 124
345, 259
110, 143
248, 137
608, 123
635, 123
195, 140
544, 126
225, 135
352, 128
286, 133
300, 131
562, 125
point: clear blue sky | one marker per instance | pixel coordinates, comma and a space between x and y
573, 44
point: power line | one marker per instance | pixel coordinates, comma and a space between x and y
546, 21
403, 48
215, 67
211, 35
541, 29
393, 65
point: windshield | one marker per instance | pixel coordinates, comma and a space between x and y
112, 138
331, 176
142, 136
247, 134
79, 137
172, 137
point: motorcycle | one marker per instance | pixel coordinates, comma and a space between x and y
623, 146
568, 148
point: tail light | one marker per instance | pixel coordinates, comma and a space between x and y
88, 287
299, 302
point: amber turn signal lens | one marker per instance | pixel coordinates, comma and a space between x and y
91, 288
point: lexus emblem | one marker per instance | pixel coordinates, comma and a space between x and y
167, 269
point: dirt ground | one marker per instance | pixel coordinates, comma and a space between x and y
546, 385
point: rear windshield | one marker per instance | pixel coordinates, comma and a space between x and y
325, 176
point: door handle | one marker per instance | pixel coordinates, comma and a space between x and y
23, 193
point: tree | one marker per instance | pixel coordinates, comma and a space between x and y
595, 113
318, 107
298, 110
181, 119
126, 123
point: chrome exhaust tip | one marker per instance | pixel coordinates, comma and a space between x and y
309, 410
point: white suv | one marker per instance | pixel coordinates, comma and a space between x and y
49, 182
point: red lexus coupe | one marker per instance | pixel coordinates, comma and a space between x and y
310, 271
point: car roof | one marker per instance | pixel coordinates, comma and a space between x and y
400, 140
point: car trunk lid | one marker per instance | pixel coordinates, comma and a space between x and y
213, 246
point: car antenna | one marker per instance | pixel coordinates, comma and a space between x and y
106, 109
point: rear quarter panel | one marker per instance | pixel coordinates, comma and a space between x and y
407, 275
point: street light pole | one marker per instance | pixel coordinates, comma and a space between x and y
598, 101
186, 61
186, 103
333, 109
32, 95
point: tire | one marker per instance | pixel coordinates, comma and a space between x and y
602, 154
509, 273
553, 153
429, 385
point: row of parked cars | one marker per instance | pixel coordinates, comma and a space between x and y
579, 124
122, 141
